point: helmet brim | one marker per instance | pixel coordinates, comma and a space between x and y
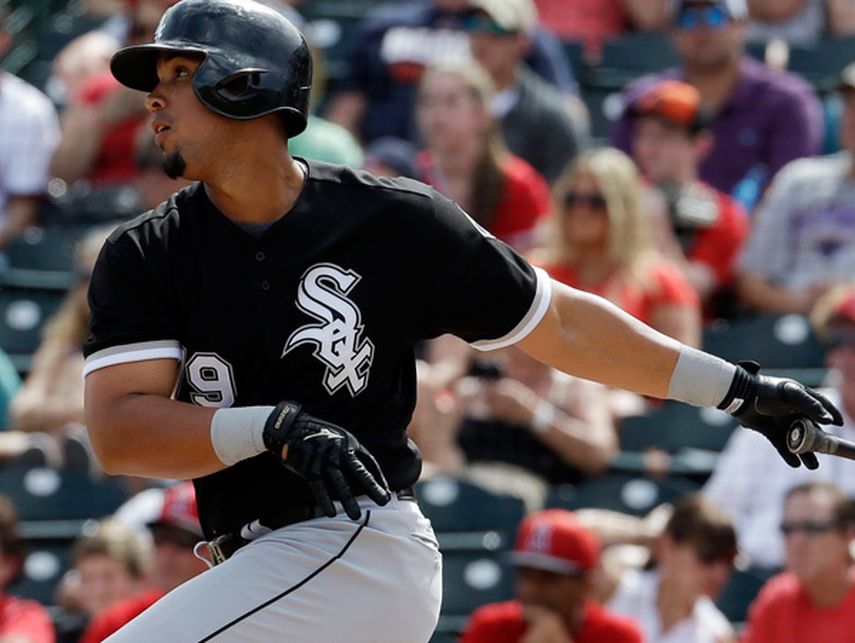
136, 66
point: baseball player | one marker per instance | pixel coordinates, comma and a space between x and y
255, 333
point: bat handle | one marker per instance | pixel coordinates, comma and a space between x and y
804, 436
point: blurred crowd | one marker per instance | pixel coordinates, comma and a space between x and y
723, 189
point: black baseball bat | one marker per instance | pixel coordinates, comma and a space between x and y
805, 436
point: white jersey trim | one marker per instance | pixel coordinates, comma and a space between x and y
538, 308
137, 352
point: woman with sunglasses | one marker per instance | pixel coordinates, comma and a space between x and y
601, 242
466, 160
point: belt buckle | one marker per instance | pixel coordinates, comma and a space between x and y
216, 550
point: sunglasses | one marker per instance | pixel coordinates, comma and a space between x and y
593, 201
478, 23
714, 17
810, 527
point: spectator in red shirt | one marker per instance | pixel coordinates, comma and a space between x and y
703, 229
175, 533
103, 121
601, 243
814, 599
466, 160
21, 621
556, 559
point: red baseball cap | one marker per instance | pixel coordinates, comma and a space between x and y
555, 541
179, 509
673, 101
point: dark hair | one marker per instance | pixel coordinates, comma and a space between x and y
697, 521
843, 509
12, 544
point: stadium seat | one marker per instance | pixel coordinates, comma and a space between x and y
740, 590
44, 566
676, 426
47, 494
822, 63
638, 53
776, 342
49, 248
23, 312
472, 579
454, 505
632, 494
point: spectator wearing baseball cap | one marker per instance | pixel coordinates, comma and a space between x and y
539, 124
761, 119
701, 229
802, 241
555, 558
175, 532
694, 558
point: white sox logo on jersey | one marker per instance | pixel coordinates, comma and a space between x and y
338, 337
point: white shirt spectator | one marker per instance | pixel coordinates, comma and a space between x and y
29, 134
751, 480
636, 597
804, 232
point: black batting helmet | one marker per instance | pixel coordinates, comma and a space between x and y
255, 61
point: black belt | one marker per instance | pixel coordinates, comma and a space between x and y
222, 547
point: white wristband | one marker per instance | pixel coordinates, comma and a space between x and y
700, 379
237, 433
544, 414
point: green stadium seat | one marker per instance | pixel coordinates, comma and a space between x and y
44, 566
473, 579
639, 53
23, 312
822, 63
624, 492
776, 342
454, 505
49, 248
47, 494
676, 426
740, 590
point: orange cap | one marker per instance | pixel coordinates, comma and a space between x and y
673, 101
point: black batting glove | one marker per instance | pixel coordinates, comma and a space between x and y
330, 458
771, 404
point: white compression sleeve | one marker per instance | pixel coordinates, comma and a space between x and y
700, 379
237, 433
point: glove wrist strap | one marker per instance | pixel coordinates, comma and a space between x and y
278, 426
743, 387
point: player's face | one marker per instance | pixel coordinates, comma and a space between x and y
188, 134
585, 214
448, 112
816, 547
661, 151
560, 593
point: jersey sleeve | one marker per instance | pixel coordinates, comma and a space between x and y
474, 286
129, 313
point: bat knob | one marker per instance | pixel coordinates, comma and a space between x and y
795, 436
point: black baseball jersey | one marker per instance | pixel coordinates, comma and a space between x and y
322, 308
